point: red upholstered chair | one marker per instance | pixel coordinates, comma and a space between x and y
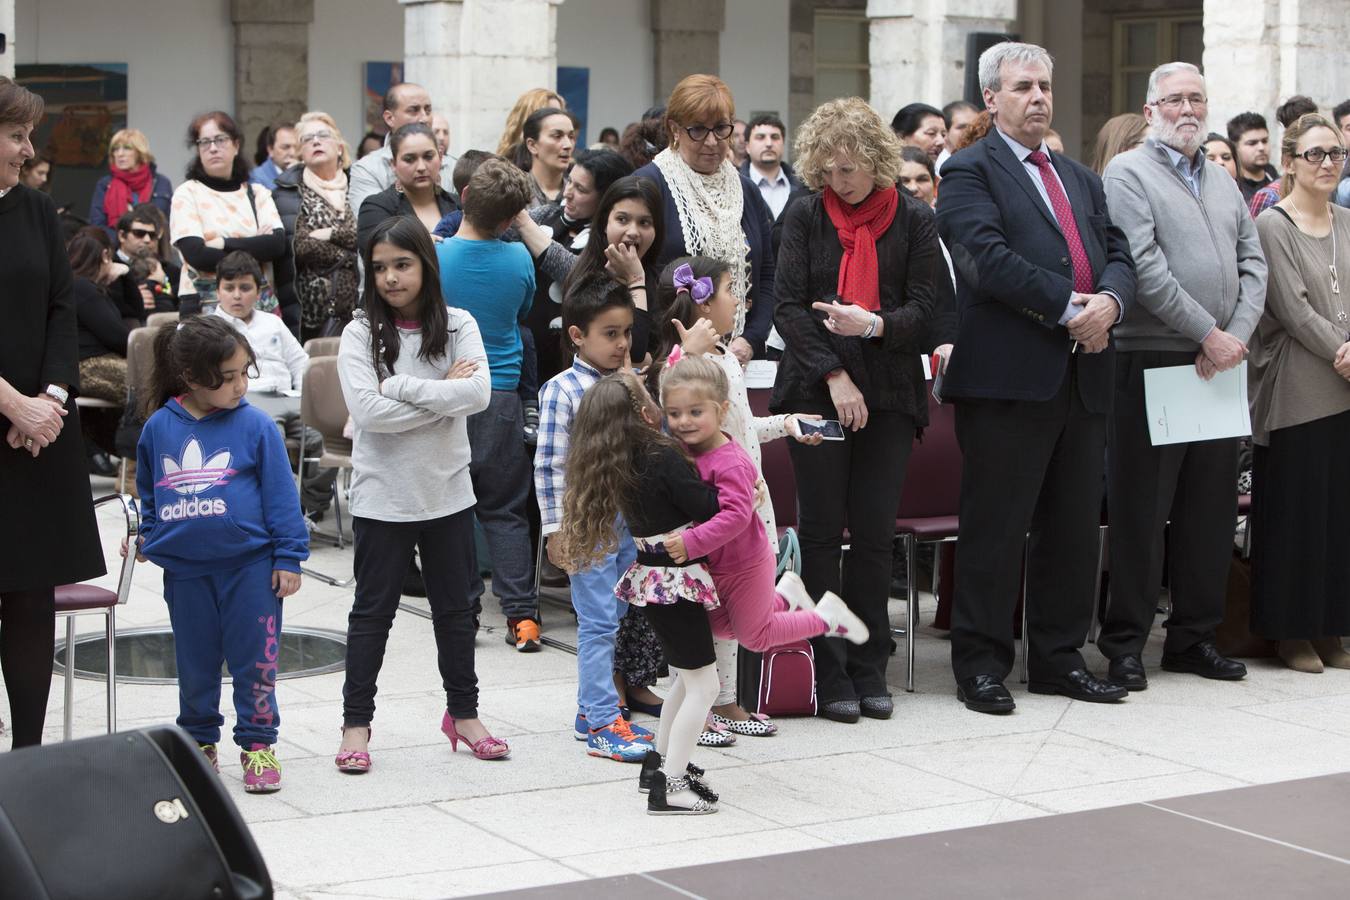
929, 504
82, 599
776, 463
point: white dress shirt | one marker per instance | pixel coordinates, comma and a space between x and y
281, 359
775, 191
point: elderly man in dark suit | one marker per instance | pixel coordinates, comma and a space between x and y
1042, 277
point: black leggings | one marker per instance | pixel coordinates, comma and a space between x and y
27, 642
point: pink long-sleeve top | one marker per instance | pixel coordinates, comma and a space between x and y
734, 539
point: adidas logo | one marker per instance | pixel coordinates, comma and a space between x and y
190, 475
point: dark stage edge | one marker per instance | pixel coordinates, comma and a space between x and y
1289, 839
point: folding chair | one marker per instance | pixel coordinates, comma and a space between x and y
82, 599
323, 346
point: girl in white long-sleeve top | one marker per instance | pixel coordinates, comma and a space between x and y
412, 371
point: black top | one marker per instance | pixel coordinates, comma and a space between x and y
392, 202
756, 224
101, 327
672, 494
1249, 187
55, 540
886, 370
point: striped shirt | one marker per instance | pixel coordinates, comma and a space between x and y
558, 401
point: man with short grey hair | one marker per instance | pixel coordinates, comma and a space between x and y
1201, 290
1042, 277
374, 172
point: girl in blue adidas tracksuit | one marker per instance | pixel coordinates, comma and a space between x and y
221, 515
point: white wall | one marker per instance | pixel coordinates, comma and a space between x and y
345, 35
179, 55
613, 38
754, 55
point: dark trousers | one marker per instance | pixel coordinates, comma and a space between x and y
500, 468
1028, 467
234, 618
383, 552
855, 484
27, 642
1192, 485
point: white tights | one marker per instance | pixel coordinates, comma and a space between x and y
682, 716
726, 669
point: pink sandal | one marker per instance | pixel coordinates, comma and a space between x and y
354, 762
485, 748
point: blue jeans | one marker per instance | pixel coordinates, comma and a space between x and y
598, 614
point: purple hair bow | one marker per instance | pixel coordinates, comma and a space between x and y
700, 289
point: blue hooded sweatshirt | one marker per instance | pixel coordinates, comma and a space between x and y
217, 493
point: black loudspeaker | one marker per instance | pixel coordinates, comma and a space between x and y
138, 815
976, 43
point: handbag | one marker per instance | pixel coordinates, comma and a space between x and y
780, 681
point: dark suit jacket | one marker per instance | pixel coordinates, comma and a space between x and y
1014, 276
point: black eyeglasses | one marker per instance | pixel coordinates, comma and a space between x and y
142, 234
699, 133
219, 140
1315, 155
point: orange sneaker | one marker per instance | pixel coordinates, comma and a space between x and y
524, 633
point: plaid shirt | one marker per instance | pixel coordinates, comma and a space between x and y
558, 400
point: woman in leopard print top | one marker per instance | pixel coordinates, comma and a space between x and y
312, 200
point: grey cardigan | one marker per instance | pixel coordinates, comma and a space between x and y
1198, 259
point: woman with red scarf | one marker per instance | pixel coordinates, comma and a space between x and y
855, 285
131, 179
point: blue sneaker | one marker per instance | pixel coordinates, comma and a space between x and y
618, 741
582, 732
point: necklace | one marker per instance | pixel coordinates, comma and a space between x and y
1335, 277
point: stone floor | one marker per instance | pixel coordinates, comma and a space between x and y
430, 823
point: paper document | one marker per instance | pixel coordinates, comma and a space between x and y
760, 373
1183, 407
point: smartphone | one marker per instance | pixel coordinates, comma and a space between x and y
828, 429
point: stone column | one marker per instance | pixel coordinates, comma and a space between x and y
475, 57
687, 40
271, 62
7, 29
917, 48
1258, 53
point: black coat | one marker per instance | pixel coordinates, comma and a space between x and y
388, 203
48, 535
887, 370
1014, 276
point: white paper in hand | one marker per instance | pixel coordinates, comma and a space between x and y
1183, 407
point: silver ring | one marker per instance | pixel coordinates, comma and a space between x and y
28, 442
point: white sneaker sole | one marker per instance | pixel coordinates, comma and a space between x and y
792, 589
838, 616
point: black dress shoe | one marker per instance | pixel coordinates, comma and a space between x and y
1080, 684
1203, 659
984, 693
1127, 671
878, 707
846, 711
100, 464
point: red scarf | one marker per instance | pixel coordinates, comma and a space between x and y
859, 227
126, 190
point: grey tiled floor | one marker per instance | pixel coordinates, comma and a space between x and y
430, 823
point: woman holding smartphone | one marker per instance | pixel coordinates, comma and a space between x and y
856, 275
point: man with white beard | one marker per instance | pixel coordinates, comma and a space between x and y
1201, 290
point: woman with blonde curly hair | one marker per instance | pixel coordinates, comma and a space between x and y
526, 104
320, 225
856, 281
131, 179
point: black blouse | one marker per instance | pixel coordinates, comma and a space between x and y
102, 330
672, 494
886, 370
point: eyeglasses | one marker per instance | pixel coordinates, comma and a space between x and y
316, 136
1315, 155
142, 234
219, 140
699, 133
1174, 102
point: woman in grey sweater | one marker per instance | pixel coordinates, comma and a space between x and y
1299, 381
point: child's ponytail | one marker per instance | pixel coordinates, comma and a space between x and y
192, 350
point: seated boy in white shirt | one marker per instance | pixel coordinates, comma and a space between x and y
281, 364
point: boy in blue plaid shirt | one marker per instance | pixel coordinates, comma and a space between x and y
598, 321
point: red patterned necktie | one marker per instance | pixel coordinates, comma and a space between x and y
1082, 269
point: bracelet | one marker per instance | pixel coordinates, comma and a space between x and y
637, 287
871, 327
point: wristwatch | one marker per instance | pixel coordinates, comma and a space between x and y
57, 393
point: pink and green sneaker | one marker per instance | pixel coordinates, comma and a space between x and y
262, 772
209, 751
